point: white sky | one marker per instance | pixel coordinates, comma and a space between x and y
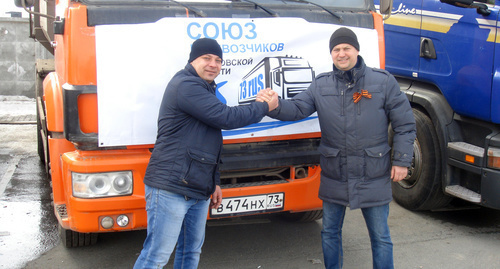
8, 5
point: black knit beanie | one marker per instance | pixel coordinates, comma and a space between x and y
344, 35
204, 46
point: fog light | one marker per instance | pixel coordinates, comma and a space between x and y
122, 220
107, 222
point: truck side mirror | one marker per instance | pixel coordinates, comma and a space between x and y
27, 3
386, 7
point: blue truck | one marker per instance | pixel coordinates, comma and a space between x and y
445, 58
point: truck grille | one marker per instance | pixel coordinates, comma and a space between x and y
61, 211
250, 184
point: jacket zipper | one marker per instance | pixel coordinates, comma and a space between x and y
354, 73
343, 98
349, 86
359, 108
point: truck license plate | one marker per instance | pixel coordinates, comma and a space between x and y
234, 206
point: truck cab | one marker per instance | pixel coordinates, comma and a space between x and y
444, 55
98, 100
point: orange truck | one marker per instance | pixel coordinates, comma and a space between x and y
98, 99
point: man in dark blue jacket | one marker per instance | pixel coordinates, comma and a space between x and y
355, 105
183, 173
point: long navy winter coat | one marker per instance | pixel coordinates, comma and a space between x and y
355, 154
189, 141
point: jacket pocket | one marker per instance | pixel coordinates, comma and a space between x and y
377, 162
199, 170
330, 162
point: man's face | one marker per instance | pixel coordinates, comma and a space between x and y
207, 66
344, 56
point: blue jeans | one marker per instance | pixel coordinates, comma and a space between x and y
378, 229
173, 219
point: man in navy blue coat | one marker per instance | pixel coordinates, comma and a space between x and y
182, 173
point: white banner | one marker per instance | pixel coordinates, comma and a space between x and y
135, 63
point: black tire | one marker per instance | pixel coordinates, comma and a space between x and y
39, 95
72, 239
42, 133
306, 216
40, 138
422, 188
42, 143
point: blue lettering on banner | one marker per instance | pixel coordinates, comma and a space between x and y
232, 31
243, 90
211, 28
250, 87
262, 47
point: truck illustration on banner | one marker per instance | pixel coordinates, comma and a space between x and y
286, 75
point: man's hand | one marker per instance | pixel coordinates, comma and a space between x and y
263, 95
269, 96
216, 198
398, 173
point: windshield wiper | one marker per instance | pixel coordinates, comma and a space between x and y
190, 8
268, 11
318, 5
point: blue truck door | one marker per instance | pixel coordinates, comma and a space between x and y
463, 44
495, 92
402, 37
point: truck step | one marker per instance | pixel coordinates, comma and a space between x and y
463, 193
467, 148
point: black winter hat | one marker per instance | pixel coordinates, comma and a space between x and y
204, 46
344, 35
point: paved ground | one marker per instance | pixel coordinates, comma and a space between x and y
17, 110
28, 229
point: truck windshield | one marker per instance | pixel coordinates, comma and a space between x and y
342, 4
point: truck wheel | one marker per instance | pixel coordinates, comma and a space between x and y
42, 143
306, 216
41, 153
422, 188
72, 239
42, 133
39, 138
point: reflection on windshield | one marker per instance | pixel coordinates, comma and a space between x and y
340, 3
347, 4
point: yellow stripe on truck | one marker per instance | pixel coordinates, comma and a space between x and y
439, 22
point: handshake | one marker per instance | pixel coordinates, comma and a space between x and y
269, 96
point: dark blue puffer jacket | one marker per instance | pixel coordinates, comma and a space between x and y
189, 141
355, 154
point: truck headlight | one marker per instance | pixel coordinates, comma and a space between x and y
102, 184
